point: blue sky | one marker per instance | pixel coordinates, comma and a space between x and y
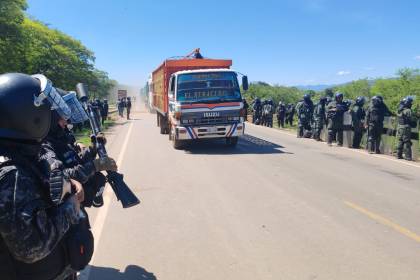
288, 42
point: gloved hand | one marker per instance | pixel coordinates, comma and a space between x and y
100, 138
106, 163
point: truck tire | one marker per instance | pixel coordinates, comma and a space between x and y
232, 141
161, 125
178, 144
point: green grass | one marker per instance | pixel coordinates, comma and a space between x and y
83, 136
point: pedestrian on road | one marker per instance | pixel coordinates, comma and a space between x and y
128, 106
304, 109
358, 115
406, 121
120, 107
335, 116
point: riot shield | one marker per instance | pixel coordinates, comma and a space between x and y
415, 141
389, 134
347, 130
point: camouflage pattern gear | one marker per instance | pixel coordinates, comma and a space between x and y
335, 116
281, 114
31, 227
304, 112
268, 111
406, 121
319, 119
375, 116
290, 114
257, 111
358, 115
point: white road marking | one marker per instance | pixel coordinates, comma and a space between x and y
97, 228
352, 150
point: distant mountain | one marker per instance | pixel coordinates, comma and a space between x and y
315, 87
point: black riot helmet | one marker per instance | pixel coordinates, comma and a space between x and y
323, 100
408, 101
307, 98
20, 118
339, 97
360, 101
376, 100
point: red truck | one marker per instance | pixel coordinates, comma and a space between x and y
198, 98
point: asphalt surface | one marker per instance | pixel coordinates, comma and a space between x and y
274, 207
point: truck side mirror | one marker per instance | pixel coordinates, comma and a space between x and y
245, 82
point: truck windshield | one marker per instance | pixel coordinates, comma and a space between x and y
208, 87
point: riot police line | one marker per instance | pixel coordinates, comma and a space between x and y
47, 179
354, 124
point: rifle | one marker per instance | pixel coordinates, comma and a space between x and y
115, 179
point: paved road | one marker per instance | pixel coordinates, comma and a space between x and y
276, 207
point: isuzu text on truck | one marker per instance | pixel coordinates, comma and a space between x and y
198, 99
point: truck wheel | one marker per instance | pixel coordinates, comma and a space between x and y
232, 141
162, 126
177, 144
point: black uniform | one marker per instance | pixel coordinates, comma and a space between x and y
105, 110
358, 115
128, 106
304, 109
281, 114
33, 230
335, 116
375, 116
290, 114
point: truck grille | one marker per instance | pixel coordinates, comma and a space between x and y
214, 120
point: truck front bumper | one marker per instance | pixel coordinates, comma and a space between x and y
206, 132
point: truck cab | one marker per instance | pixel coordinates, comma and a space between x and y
205, 104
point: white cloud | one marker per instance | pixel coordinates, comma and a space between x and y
417, 57
343, 73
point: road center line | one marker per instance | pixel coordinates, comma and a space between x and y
408, 233
103, 212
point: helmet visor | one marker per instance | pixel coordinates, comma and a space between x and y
50, 95
78, 114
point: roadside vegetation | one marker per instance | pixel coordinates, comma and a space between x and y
406, 82
30, 46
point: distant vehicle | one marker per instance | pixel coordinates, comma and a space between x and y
198, 99
122, 93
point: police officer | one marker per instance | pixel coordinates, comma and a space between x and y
335, 117
406, 121
281, 114
257, 111
32, 229
319, 118
104, 111
375, 116
128, 106
358, 115
304, 109
290, 114
246, 106
268, 111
